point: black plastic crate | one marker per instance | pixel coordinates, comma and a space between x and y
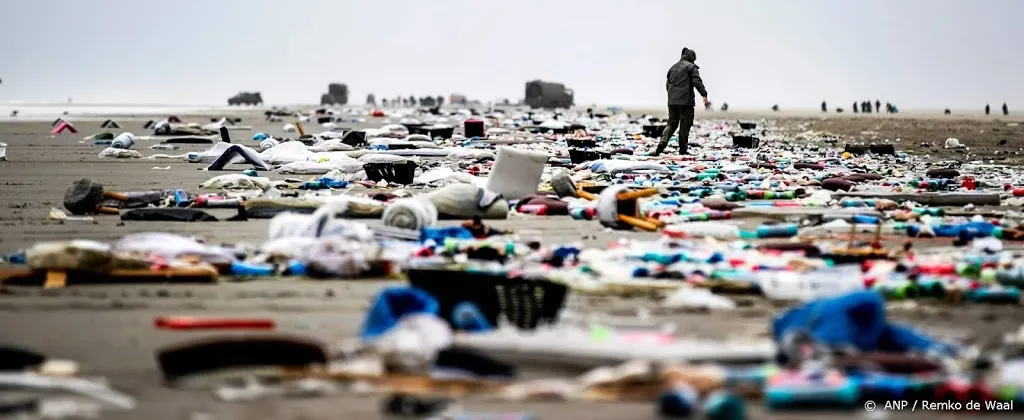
578, 156
581, 143
525, 302
398, 173
654, 130
441, 133
746, 142
354, 138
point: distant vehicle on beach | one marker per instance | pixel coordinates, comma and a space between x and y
246, 98
541, 94
337, 94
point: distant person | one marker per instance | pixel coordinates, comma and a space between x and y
1006, 110
888, 107
824, 106
878, 106
854, 107
988, 109
947, 111
682, 78
725, 106
867, 106
775, 107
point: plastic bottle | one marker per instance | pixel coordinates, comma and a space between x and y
782, 230
736, 196
820, 283
853, 202
535, 209
831, 391
583, 213
123, 141
1007, 295
715, 230
1010, 277
216, 201
239, 268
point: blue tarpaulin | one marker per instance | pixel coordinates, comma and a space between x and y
391, 305
856, 319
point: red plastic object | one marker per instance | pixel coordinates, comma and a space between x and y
969, 183
537, 209
199, 323
1018, 192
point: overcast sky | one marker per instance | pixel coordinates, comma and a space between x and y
752, 53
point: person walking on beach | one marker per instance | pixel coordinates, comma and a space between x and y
680, 82
1006, 110
878, 106
824, 106
987, 109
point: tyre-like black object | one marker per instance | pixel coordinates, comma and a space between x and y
82, 196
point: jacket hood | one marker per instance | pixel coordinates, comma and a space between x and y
689, 55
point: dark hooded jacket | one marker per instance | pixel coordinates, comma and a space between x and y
683, 78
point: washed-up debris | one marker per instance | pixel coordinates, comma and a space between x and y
29, 371
836, 229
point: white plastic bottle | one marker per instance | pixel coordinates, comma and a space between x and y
716, 230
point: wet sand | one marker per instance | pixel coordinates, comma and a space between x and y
109, 329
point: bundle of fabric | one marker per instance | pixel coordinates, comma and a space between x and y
465, 201
322, 223
410, 213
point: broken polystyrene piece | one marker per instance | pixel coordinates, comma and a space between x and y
516, 173
91, 389
693, 298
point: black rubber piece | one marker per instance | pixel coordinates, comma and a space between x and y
19, 359
196, 357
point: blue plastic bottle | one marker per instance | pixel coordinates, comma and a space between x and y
811, 393
783, 230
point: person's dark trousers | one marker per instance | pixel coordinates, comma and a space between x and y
680, 116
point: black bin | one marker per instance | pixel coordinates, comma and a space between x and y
474, 128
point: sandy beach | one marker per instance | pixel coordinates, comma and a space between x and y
109, 330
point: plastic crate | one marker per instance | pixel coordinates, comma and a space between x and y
526, 303
399, 173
